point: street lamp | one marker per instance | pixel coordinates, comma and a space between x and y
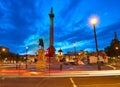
3, 51
75, 49
116, 48
117, 51
26, 55
94, 21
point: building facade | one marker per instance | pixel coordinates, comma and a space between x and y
4, 49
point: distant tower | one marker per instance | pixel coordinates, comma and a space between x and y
115, 40
115, 36
51, 15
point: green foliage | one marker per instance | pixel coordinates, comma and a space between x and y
111, 61
112, 51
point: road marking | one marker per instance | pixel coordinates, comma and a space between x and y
40, 82
72, 81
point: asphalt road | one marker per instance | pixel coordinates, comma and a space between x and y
109, 81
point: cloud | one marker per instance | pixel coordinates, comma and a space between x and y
106, 35
23, 22
17, 20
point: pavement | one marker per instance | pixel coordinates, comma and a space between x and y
102, 81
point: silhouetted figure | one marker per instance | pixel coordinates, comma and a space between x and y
41, 43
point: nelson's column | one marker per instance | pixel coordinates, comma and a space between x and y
51, 47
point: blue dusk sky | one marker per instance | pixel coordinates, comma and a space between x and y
23, 22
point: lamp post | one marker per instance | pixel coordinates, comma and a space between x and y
116, 48
3, 51
94, 21
116, 52
75, 49
26, 55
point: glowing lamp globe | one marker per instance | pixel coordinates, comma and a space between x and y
94, 20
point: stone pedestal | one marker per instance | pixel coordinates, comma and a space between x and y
41, 63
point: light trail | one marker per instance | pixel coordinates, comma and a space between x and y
60, 74
86, 73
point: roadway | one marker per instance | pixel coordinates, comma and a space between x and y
70, 76
109, 81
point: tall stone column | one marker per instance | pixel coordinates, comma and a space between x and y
51, 15
51, 47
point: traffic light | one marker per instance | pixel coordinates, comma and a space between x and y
50, 51
47, 52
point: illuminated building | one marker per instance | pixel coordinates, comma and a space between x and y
4, 49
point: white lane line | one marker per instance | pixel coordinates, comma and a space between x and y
72, 81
